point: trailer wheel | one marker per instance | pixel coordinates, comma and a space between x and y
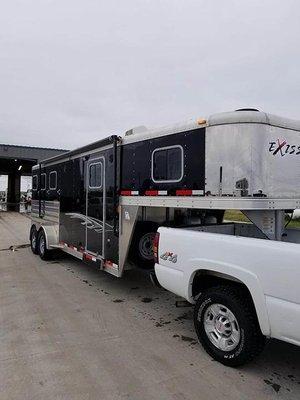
141, 252
227, 326
42, 247
33, 240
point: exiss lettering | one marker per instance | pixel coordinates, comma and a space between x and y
282, 148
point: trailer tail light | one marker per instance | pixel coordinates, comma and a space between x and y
156, 193
155, 247
129, 192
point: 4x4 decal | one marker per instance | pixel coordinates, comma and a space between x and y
168, 256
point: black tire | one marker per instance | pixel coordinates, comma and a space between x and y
243, 336
141, 252
42, 249
34, 240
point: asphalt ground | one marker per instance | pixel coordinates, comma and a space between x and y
70, 331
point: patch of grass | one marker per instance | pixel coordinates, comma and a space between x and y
238, 216
295, 223
235, 215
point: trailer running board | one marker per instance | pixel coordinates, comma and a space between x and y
83, 255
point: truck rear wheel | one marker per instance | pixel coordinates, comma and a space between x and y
227, 326
141, 251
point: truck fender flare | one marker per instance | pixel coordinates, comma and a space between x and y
237, 274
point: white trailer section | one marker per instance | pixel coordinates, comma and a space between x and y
253, 154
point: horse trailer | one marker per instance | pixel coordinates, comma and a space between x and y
103, 202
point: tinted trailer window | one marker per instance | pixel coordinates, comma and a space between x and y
167, 164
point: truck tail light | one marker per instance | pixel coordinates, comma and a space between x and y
155, 247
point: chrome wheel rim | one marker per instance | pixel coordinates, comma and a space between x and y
33, 240
221, 327
42, 245
146, 246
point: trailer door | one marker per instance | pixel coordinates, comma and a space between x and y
95, 206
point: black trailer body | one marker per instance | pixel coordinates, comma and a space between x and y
167, 163
78, 193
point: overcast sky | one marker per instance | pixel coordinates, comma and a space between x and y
74, 71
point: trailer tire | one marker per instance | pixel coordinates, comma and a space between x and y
141, 252
34, 240
44, 253
227, 325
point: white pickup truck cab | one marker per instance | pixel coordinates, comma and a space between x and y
245, 289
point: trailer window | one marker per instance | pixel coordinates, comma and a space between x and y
95, 176
52, 180
34, 182
167, 164
43, 181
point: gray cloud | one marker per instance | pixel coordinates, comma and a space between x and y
73, 71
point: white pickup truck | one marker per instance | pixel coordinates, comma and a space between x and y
244, 289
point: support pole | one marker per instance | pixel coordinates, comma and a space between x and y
269, 222
13, 191
279, 224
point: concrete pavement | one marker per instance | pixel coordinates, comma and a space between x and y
69, 331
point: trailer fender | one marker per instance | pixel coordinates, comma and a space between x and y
51, 235
247, 278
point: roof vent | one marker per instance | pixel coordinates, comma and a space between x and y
247, 109
135, 130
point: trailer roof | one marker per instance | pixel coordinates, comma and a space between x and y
253, 116
142, 133
232, 117
84, 149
